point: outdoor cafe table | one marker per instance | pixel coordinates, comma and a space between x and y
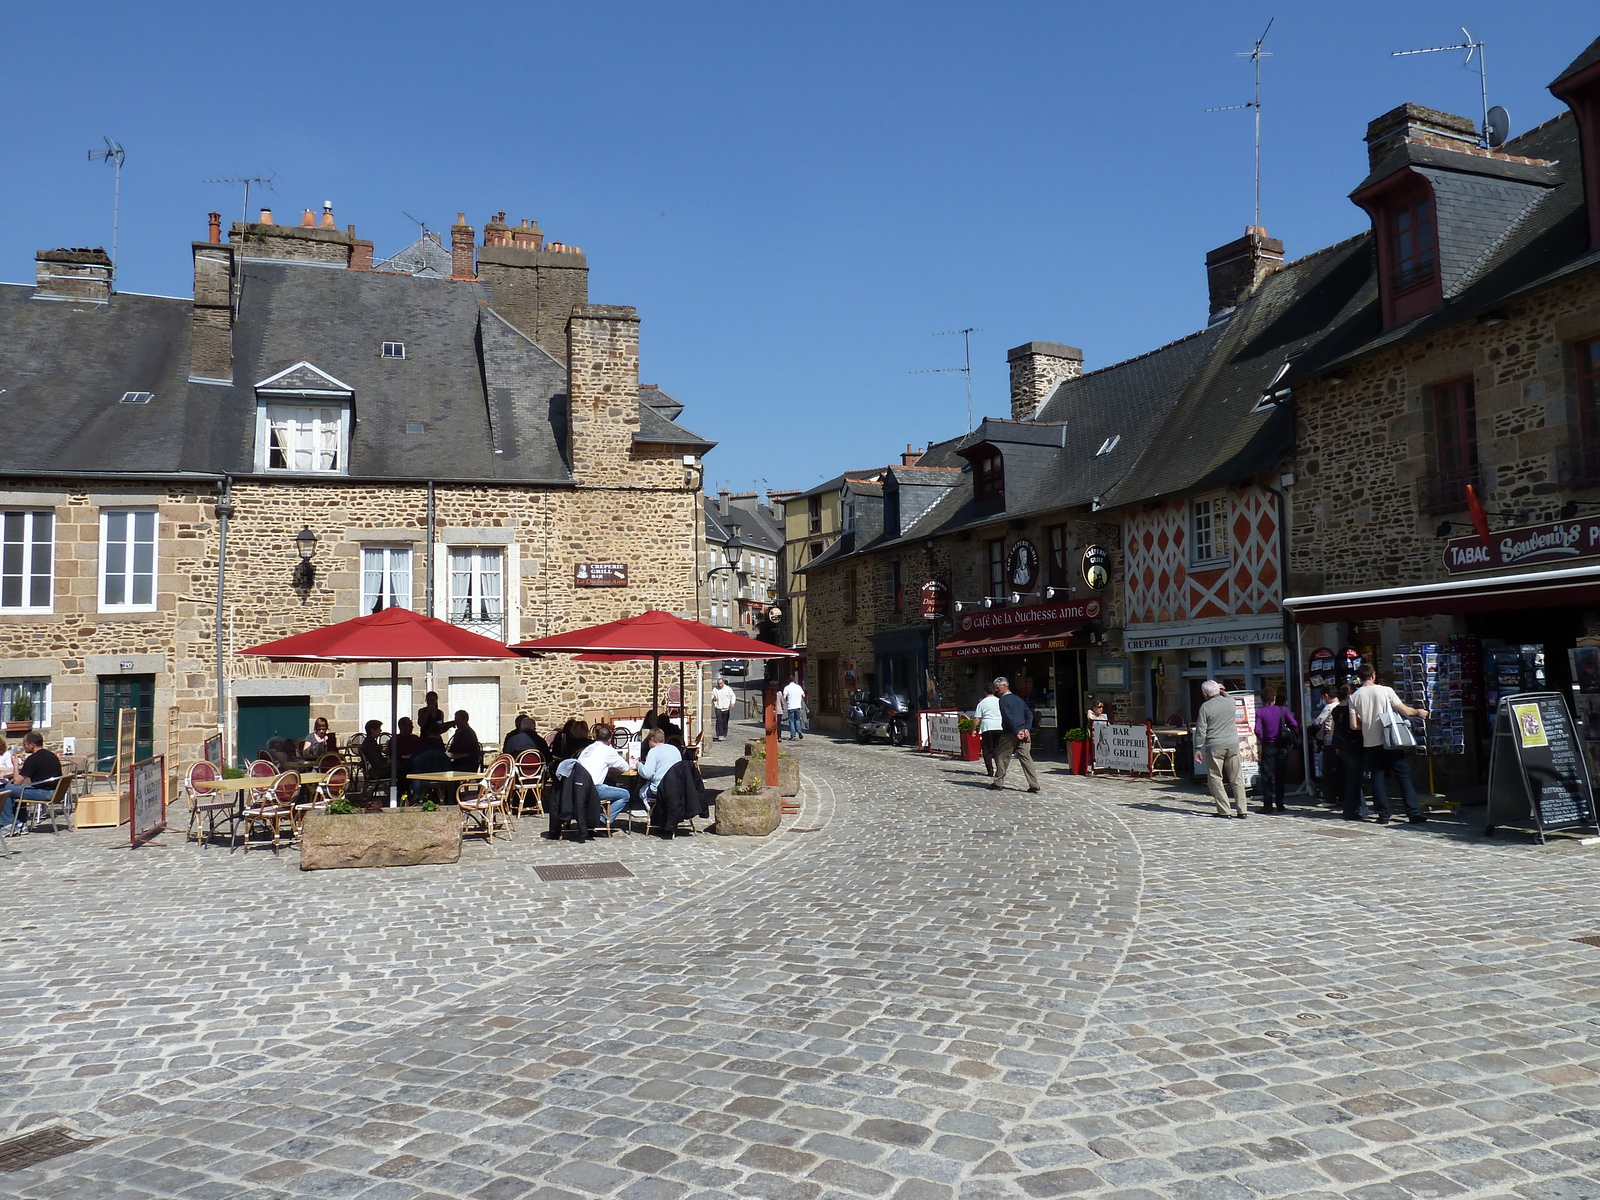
455, 777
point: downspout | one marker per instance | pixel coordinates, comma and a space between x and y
427, 584
224, 510
1291, 637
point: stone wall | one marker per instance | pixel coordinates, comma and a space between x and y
536, 290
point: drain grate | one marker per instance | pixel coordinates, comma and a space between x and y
1592, 939
605, 870
31, 1149
805, 829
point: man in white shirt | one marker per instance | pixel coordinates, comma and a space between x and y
600, 758
794, 703
721, 708
1367, 706
660, 757
987, 714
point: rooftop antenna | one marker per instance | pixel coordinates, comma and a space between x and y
114, 155
966, 338
1470, 47
1255, 54
421, 225
264, 180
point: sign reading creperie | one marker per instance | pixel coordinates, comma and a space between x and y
1554, 542
600, 574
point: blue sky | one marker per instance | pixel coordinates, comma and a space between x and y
796, 197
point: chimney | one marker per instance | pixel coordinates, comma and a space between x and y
1422, 126
722, 501
266, 216
602, 394
461, 249
532, 283
495, 232
1036, 368
1237, 269
910, 456
327, 215
527, 236
211, 314
360, 252
216, 228
308, 219
81, 275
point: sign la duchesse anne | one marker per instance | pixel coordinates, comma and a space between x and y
1034, 627
1556, 541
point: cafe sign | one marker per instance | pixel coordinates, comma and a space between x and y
1022, 565
1097, 567
935, 599
1555, 541
1034, 618
600, 574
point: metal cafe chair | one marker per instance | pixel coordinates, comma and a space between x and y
266, 805
204, 801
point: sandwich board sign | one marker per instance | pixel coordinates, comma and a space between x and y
147, 782
1538, 773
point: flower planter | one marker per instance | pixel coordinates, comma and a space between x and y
753, 815
18, 728
751, 770
1078, 756
390, 838
971, 746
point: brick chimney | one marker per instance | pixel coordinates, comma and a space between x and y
215, 232
1424, 126
722, 502
1036, 368
211, 314
461, 235
603, 393
527, 236
82, 275
909, 456
533, 284
1237, 269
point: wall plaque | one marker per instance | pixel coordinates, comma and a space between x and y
1022, 565
600, 574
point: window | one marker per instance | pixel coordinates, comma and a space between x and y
476, 590
394, 350
1056, 574
1587, 355
828, 685
1110, 444
814, 514
1455, 433
994, 553
36, 690
416, 427
897, 591
988, 477
850, 594
847, 509
27, 544
1414, 251
816, 551
304, 439
385, 578
128, 559
1208, 530
136, 397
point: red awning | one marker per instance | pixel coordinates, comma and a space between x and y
984, 646
393, 635
653, 635
1541, 589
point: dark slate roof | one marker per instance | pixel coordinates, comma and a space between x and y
656, 429
1585, 60
652, 396
759, 526
425, 257
65, 410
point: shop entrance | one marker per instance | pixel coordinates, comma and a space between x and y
137, 692
1554, 630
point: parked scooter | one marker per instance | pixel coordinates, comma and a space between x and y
889, 716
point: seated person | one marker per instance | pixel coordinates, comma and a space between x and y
526, 737
516, 728
600, 758
429, 756
35, 779
403, 746
661, 756
373, 759
466, 752
574, 736
321, 741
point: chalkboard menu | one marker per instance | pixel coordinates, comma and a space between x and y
1538, 775
148, 813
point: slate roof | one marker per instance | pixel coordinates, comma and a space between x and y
759, 526
1587, 59
426, 257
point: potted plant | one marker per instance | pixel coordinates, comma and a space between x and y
971, 739
1077, 739
20, 717
344, 836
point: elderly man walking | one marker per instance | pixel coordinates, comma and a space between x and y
1216, 733
1016, 737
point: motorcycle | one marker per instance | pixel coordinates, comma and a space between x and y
888, 716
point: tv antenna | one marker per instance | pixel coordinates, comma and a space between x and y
1255, 54
966, 338
113, 154
421, 225
264, 180
1482, 52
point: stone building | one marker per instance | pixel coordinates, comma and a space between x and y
740, 596
466, 446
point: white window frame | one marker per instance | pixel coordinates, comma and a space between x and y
43, 701
399, 599
476, 556
129, 575
389, 348
1218, 517
264, 421
30, 572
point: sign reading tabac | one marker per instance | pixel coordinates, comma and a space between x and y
1554, 542
600, 574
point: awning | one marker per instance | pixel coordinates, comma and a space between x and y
1540, 589
982, 647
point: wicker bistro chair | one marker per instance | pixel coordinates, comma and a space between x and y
1163, 759
529, 783
329, 761
268, 806
483, 804
204, 801
331, 788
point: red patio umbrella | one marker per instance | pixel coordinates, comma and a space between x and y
392, 635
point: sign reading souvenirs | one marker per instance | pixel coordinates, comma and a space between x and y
1556, 541
935, 599
600, 574
1022, 566
1537, 770
1096, 567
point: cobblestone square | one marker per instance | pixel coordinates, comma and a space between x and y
941, 992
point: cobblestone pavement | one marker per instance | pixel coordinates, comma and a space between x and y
939, 993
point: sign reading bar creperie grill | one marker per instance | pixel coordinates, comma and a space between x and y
600, 574
1555, 542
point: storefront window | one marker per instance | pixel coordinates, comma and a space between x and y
1199, 659
1270, 654
1233, 656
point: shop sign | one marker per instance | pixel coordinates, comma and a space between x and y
1555, 541
1121, 747
1036, 645
935, 600
1032, 619
1193, 641
600, 574
1097, 567
1022, 566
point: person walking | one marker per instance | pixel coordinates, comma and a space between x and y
987, 714
1371, 700
1275, 737
1330, 775
1016, 737
1216, 732
721, 708
1347, 747
794, 703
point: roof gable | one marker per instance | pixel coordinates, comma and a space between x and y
304, 379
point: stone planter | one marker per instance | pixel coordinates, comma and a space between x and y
391, 838
752, 770
748, 816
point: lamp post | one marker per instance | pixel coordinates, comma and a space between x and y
305, 574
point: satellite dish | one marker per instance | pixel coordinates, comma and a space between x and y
1498, 126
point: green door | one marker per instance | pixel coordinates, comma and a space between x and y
262, 718
126, 691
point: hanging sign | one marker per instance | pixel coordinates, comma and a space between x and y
1555, 541
600, 574
1097, 567
935, 599
1022, 565
1538, 774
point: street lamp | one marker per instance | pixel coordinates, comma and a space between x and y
305, 575
733, 547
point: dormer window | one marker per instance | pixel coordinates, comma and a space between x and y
304, 439
988, 476
394, 350
1415, 242
1107, 446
